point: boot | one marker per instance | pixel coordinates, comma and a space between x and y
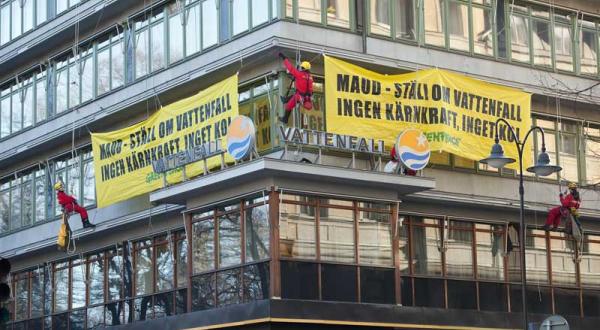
86, 224
547, 227
286, 117
284, 99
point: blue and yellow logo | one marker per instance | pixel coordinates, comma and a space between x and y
240, 137
412, 148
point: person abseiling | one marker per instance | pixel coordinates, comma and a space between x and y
569, 203
303, 82
69, 204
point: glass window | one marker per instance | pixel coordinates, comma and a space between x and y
260, 12
589, 266
490, 248
28, 15
541, 43
229, 287
338, 13
591, 302
78, 284
203, 245
462, 295
4, 207
483, 36
17, 111
87, 77
28, 105
434, 26
519, 41
536, 257
297, 235
309, 10
5, 117
192, 30
61, 287
257, 233
41, 13
61, 5
404, 13
21, 296
426, 241
429, 292
568, 156
229, 240
16, 18
299, 280
141, 53
164, 265
566, 302
40, 195
103, 71
380, 17
210, 26
203, 292
89, 183
458, 25
157, 52
182, 260
589, 51
240, 15
27, 200
492, 296
61, 90
15, 214
114, 280
74, 83
74, 177
592, 160
95, 317
5, 24
459, 252
374, 237
37, 292
377, 285
563, 47
96, 279
144, 274
539, 299
256, 282
117, 67
563, 264
175, 34
336, 233
40, 98
338, 283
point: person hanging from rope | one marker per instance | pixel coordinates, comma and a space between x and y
569, 203
69, 204
303, 82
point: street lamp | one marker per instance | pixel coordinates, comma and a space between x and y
542, 167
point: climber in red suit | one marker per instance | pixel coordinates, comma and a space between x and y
569, 203
303, 82
69, 204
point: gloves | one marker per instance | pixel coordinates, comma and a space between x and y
560, 194
283, 57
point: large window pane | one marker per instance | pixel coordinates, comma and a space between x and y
483, 36
74, 83
96, 279
182, 261
117, 73
192, 30
566, 302
429, 292
536, 258
40, 99
229, 287
519, 41
157, 52
459, 252
165, 267
462, 295
427, 258
563, 265
15, 214
377, 285
589, 51
61, 90
374, 237
21, 296
404, 13
299, 280
297, 235
141, 53
78, 284
41, 13
16, 18
240, 16
28, 18
257, 233
568, 156
380, 17
5, 117
338, 283
28, 106
210, 27
37, 293
61, 287
458, 25
338, 13
115, 282
5, 24
27, 200
103, 71
434, 26
490, 248
492, 297
309, 10
590, 262
203, 292
229, 240
17, 112
336, 233
87, 78
203, 245
260, 12
256, 282
89, 183
563, 47
541, 43
4, 208
40, 196
144, 274
175, 35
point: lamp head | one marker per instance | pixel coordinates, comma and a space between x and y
542, 166
497, 158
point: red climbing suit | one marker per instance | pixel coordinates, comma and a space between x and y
70, 204
566, 202
304, 87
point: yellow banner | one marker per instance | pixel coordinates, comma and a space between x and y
123, 158
455, 112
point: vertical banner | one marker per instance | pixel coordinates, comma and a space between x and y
123, 158
456, 113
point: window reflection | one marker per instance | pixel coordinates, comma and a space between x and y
297, 235
490, 248
563, 47
209, 24
203, 247
257, 233
380, 17
590, 261
536, 257
434, 28
229, 240
61, 287
336, 232
240, 14
309, 10
458, 25
96, 279
229, 287
541, 43
203, 292
483, 36
459, 252
144, 274
164, 265
588, 51
256, 282
562, 250
427, 258
374, 237
338, 13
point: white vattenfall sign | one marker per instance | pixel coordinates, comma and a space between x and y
188, 156
322, 139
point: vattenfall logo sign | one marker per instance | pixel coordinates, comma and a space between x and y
412, 148
241, 138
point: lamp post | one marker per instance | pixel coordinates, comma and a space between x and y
542, 167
